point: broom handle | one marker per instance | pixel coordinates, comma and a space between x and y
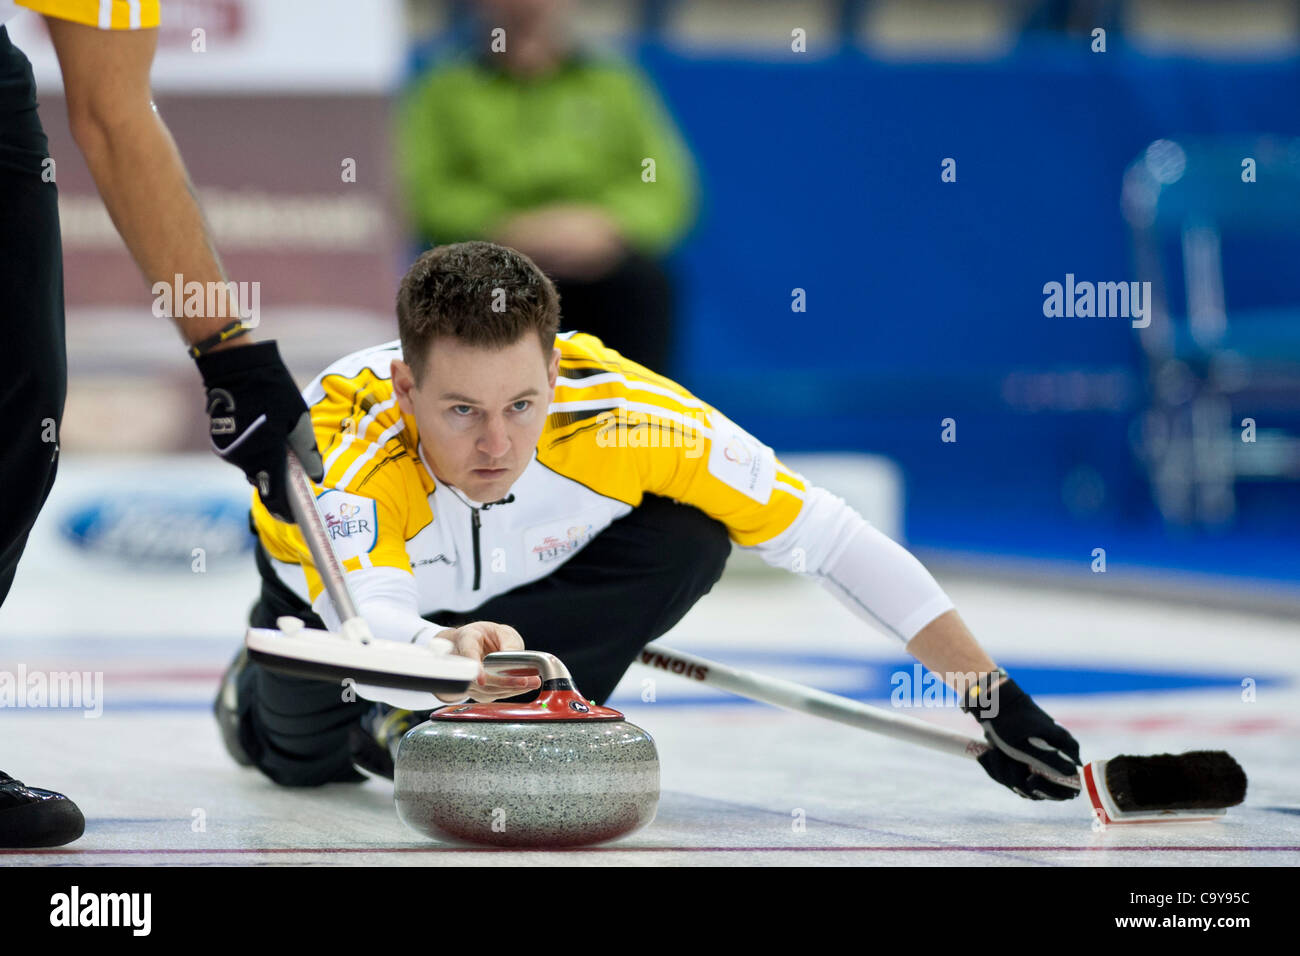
819, 703
302, 502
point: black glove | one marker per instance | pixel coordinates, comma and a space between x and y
1024, 740
258, 414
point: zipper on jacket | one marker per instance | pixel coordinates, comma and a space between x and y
474, 526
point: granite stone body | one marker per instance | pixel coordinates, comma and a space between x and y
543, 783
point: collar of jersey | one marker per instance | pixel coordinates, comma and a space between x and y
424, 463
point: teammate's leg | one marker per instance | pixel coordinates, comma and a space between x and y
34, 383
32, 388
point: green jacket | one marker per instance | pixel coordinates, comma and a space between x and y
476, 146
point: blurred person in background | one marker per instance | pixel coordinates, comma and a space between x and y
1075, 17
535, 144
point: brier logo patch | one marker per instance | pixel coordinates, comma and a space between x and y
351, 522
557, 540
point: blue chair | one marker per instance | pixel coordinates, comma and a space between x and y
1215, 357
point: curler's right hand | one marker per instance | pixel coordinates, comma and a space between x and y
479, 639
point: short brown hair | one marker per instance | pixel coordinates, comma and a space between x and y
452, 290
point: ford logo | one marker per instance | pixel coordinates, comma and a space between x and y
159, 531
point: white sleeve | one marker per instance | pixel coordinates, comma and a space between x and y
387, 598
871, 574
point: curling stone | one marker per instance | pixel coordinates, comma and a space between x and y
558, 771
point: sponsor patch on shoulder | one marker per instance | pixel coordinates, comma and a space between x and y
351, 522
738, 459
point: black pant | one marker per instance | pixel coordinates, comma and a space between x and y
629, 308
35, 366
629, 585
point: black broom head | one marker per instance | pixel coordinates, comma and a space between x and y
1198, 780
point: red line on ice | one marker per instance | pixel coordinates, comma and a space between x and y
675, 849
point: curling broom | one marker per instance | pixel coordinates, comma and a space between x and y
1199, 785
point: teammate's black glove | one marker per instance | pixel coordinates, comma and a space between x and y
1024, 740
257, 414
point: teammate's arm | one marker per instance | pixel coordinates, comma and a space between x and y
252, 400
134, 160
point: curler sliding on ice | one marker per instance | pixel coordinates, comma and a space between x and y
495, 484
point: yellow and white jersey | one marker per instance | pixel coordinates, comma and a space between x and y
105, 14
615, 431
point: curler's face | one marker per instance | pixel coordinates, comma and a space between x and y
480, 411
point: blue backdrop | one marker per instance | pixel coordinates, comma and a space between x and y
924, 298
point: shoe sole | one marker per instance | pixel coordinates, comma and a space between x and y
44, 823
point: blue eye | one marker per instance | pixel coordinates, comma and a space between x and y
522, 402
467, 409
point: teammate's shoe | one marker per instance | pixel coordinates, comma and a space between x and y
374, 741
226, 709
31, 817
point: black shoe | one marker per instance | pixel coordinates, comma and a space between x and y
34, 818
374, 741
226, 709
